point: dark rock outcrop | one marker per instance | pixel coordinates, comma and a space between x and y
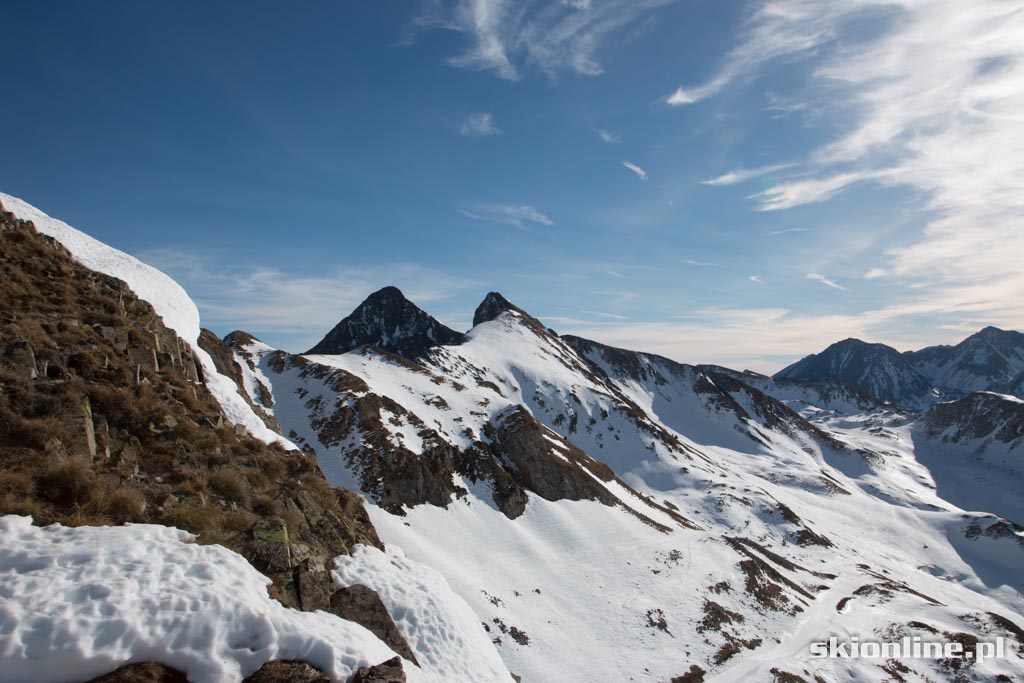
288, 672
390, 671
493, 305
980, 415
145, 672
361, 604
389, 321
541, 461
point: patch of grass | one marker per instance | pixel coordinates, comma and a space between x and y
230, 484
68, 482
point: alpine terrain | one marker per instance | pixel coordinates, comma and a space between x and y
406, 501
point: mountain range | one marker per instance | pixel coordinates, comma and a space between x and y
405, 501
989, 360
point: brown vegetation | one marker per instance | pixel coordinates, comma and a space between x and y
105, 419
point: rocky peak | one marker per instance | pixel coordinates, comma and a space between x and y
389, 321
493, 305
877, 369
240, 338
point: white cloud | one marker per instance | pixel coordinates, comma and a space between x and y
516, 215
699, 264
640, 173
608, 136
757, 278
479, 125
786, 231
602, 314
294, 310
507, 36
818, 277
927, 96
742, 175
614, 274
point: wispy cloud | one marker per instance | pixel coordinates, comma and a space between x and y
516, 215
930, 99
293, 310
757, 278
608, 136
723, 335
818, 277
614, 274
742, 175
773, 233
508, 36
699, 264
640, 173
796, 193
479, 125
602, 314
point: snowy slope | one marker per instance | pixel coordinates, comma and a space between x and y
79, 602
800, 528
167, 297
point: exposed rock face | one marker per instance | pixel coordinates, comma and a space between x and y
389, 321
390, 671
980, 415
362, 605
146, 672
493, 305
541, 461
877, 369
288, 672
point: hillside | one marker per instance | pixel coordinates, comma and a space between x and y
460, 508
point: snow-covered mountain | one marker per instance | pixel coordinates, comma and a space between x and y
991, 359
536, 506
724, 523
877, 369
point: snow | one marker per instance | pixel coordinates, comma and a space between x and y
79, 602
167, 297
568, 571
443, 632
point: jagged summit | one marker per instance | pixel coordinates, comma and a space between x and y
493, 305
878, 369
387, 320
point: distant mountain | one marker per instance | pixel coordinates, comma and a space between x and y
877, 369
991, 359
974, 450
988, 359
388, 321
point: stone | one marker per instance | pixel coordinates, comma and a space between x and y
287, 672
390, 671
19, 354
362, 605
270, 544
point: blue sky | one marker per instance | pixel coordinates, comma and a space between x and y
730, 182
